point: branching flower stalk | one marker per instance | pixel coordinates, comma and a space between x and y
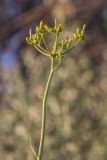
56, 54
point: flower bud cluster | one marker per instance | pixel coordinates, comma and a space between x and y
45, 28
33, 39
64, 44
79, 34
59, 45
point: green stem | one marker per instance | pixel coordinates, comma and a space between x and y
55, 43
40, 152
45, 44
35, 46
71, 48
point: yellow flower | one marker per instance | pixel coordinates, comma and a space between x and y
59, 46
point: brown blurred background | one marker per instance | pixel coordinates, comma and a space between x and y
77, 104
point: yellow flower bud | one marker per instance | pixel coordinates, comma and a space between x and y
41, 24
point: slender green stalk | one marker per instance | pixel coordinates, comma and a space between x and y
40, 152
55, 43
44, 41
71, 48
35, 46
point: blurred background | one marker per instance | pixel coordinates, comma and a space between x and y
76, 126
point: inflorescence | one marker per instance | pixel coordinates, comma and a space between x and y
60, 47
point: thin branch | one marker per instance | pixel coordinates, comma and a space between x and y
55, 43
66, 52
45, 44
59, 63
41, 51
59, 51
33, 149
44, 50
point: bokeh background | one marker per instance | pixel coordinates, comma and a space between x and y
76, 126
